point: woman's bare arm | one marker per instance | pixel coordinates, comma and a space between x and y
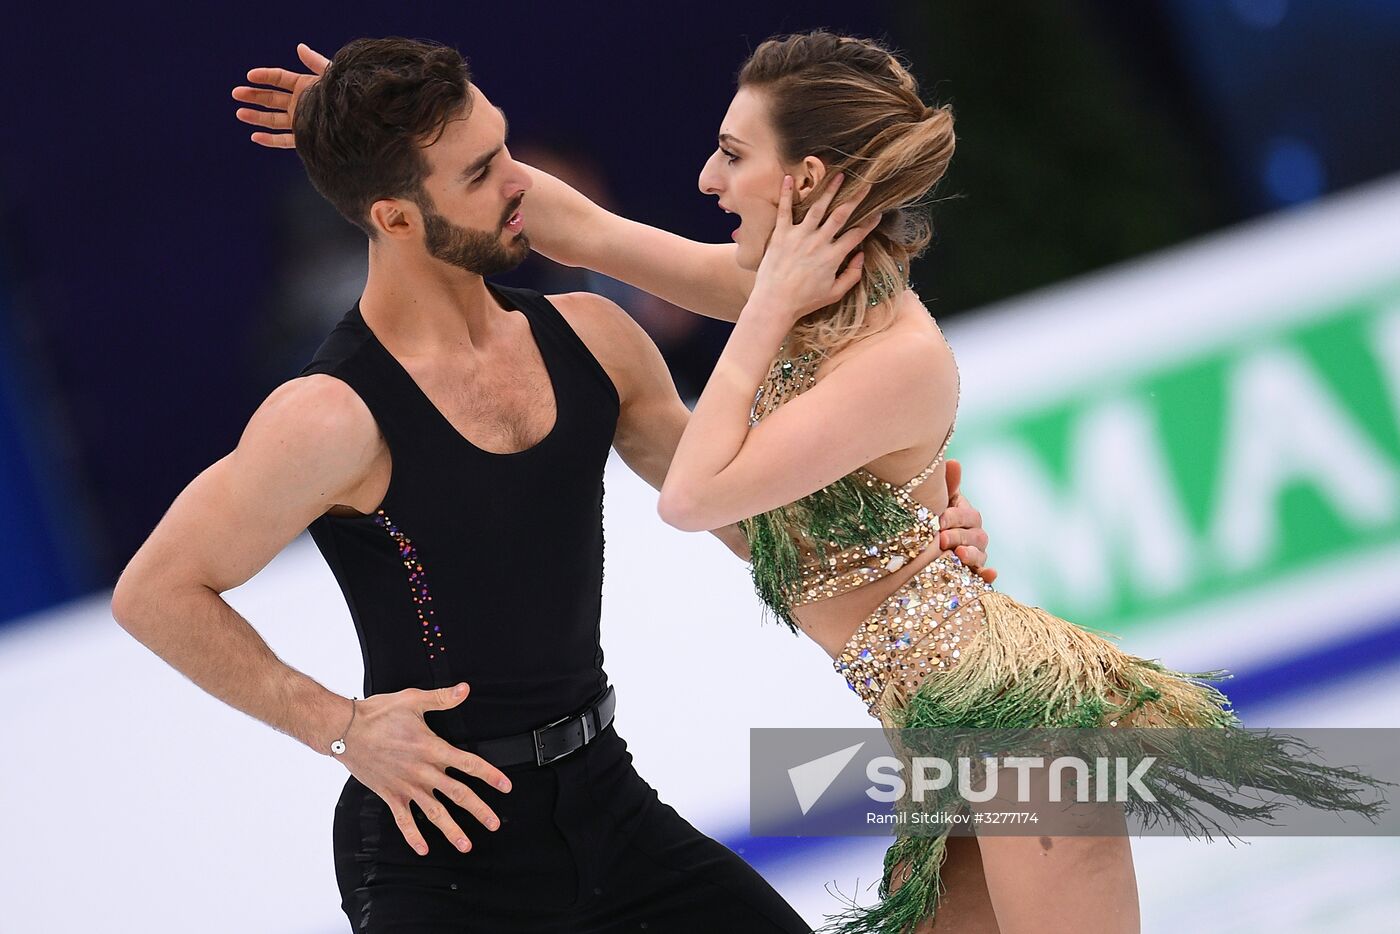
563, 224
567, 227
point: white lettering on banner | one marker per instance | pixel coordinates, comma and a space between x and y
1053, 538
1285, 427
1120, 471
1387, 343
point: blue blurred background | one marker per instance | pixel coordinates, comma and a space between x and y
160, 274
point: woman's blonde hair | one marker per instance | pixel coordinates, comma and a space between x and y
853, 104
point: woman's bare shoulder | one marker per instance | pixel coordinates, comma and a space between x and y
912, 346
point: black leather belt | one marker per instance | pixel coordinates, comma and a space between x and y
553, 741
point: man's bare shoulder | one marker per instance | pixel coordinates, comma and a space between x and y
612, 335
315, 413
596, 318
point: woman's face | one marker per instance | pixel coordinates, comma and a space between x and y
746, 173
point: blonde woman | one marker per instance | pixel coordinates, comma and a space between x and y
823, 432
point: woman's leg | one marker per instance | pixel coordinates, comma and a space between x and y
965, 907
1052, 884
1009, 884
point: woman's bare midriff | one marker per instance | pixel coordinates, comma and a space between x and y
832, 621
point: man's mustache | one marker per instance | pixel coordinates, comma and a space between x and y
513, 208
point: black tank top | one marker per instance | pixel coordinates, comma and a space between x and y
478, 567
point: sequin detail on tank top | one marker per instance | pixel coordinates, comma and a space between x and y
418, 584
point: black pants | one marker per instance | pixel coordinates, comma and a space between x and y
584, 846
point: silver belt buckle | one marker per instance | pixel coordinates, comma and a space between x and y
588, 733
539, 747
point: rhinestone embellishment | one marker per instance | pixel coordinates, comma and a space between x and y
418, 584
919, 629
884, 286
829, 571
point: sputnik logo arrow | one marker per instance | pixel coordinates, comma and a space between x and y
810, 780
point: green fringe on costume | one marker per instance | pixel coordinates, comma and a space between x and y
1029, 669
844, 514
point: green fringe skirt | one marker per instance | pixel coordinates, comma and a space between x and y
1027, 669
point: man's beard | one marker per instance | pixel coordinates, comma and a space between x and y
476, 251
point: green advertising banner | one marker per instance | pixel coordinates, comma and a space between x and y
1229, 460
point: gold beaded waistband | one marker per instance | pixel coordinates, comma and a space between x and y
918, 630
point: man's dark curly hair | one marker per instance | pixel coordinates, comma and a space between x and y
360, 129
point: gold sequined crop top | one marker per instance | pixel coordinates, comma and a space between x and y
845, 535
